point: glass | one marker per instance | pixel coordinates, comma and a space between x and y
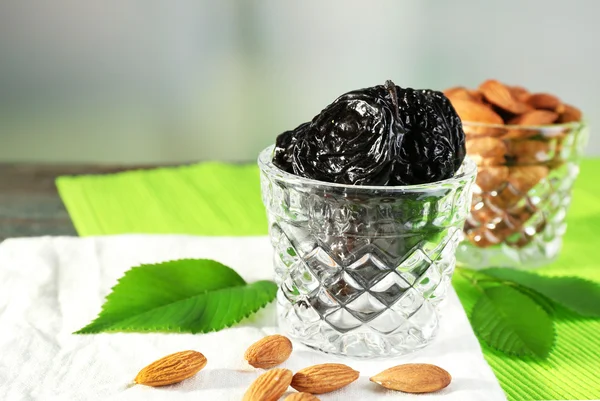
361, 269
522, 192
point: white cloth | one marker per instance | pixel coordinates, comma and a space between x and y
52, 286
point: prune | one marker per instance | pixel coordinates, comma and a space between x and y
284, 147
383, 135
350, 141
433, 145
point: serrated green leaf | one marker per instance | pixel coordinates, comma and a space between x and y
540, 299
188, 295
579, 295
511, 322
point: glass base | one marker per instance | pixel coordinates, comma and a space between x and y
536, 254
362, 342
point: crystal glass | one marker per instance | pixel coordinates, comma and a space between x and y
361, 269
522, 192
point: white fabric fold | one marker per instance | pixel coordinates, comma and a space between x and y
52, 286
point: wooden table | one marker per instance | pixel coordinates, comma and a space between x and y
29, 203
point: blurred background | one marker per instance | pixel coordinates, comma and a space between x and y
174, 81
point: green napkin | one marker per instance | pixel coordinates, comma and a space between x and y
202, 199
222, 199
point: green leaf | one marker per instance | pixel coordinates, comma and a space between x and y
540, 299
188, 295
579, 295
511, 322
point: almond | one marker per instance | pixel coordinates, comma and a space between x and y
535, 117
491, 178
531, 151
499, 95
521, 180
476, 95
413, 378
171, 369
520, 214
269, 351
469, 110
269, 386
486, 151
544, 101
524, 178
483, 237
475, 130
569, 114
460, 92
530, 118
519, 93
301, 397
319, 379
482, 213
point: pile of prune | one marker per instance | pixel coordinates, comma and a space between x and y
383, 135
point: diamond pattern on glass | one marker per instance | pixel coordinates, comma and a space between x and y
289, 289
367, 270
513, 228
390, 288
433, 246
306, 312
324, 303
429, 281
322, 264
305, 281
414, 266
365, 307
344, 288
409, 303
342, 320
387, 322
424, 320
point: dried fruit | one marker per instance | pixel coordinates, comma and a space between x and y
499, 95
460, 92
544, 101
523, 178
518, 215
520, 180
269, 351
301, 397
482, 211
531, 118
482, 237
508, 103
284, 146
269, 386
569, 114
530, 151
487, 151
171, 369
319, 379
535, 117
519, 93
491, 178
413, 378
472, 111
383, 135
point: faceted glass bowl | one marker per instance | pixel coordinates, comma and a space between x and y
361, 269
522, 192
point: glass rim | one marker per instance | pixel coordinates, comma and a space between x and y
468, 170
572, 124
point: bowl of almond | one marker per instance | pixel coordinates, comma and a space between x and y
527, 147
